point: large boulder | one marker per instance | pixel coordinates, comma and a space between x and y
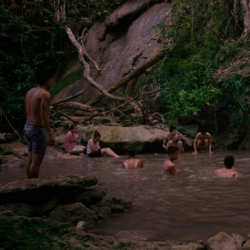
124, 41
238, 240
38, 191
221, 241
73, 213
188, 247
246, 246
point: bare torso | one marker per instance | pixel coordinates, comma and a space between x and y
132, 163
169, 168
33, 101
174, 138
203, 137
224, 172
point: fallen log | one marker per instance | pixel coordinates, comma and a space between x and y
138, 71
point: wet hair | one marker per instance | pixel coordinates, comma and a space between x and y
203, 131
131, 152
172, 150
42, 76
172, 128
72, 127
97, 134
229, 161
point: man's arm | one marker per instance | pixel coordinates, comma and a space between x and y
45, 104
165, 142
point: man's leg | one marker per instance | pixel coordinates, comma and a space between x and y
28, 164
206, 144
36, 162
199, 142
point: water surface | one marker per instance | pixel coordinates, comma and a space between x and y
193, 205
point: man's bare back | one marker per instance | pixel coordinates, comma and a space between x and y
169, 168
132, 163
223, 172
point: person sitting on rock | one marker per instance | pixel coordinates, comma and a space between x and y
169, 166
94, 149
172, 139
70, 142
204, 138
131, 161
227, 171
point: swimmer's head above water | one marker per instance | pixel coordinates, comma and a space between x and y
173, 152
131, 153
229, 161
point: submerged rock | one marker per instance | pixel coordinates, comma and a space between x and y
221, 241
188, 247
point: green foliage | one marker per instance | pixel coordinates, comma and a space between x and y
202, 40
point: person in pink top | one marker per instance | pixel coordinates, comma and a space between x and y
70, 142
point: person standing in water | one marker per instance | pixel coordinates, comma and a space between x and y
204, 138
172, 139
94, 149
37, 127
70, 142
169, 166
227, 171
131, 161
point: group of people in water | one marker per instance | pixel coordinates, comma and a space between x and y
37, 128
171, 143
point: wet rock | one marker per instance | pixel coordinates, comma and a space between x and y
238, 240
221, 241
37, 191
117, 209
19, 209
104, 212
12, 162
73, 213
246, 246
92, 195
82, 225
188, 247
75, 244
47, 206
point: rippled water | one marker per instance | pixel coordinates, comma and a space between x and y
193, 205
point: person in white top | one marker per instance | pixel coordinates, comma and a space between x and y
94, 149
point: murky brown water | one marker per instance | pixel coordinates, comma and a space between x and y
193, 205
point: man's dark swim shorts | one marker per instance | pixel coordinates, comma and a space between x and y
36, 138
97, 153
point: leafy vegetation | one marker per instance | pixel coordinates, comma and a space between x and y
202, 41
31, 38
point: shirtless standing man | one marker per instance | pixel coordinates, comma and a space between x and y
37, 103
131, 161
172, 139
169, 166
227, 171
205, 138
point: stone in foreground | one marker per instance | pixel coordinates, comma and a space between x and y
221, 241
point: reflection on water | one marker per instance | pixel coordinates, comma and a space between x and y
193, 205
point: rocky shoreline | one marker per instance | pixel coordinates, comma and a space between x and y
56, 213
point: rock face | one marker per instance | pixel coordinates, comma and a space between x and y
221, 241
188, 247
125, 40
141, 138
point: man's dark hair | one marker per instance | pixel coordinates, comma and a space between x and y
131, 152
203, 131
97, 134
42, 76
172, 150
172, 128
229, 161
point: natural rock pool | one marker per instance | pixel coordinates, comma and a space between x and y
194, 205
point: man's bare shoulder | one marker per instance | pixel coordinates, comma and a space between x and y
209, 135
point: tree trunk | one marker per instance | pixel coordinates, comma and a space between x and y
246, 18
